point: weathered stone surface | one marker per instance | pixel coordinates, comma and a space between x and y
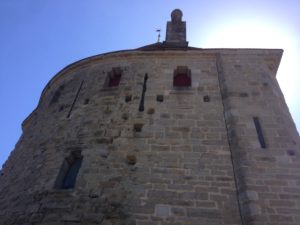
162, 211
182, 161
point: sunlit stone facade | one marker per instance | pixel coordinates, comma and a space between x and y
160, 135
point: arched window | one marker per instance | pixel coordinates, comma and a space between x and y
182, 77
66, 178
114, 77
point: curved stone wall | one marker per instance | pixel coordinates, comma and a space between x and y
171, 163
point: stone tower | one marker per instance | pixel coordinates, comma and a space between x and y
165, 134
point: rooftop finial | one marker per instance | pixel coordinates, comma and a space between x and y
176, 15
176, 30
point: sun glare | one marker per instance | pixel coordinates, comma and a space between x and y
261, 34
247, 35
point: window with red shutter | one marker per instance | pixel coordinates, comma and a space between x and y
114, 77
182, 77
115, 80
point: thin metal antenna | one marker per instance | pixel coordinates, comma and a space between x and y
158, 37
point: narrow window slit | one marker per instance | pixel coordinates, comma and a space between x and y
141, 106
75, 99
259, 132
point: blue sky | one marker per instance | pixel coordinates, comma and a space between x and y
39, 38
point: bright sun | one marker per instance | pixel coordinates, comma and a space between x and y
260, 34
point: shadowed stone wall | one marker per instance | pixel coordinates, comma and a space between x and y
268, 177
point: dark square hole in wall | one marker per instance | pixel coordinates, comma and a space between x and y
151, 111
61, 108
131, 159
138, 127
62, 87
291, 152
206, 98
265, 84
86, 101
128, 98
125, 116
243, 94
159, 98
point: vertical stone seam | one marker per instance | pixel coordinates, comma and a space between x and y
219, 73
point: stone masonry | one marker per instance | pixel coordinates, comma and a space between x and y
193, 155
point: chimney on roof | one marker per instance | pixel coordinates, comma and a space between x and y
176, 30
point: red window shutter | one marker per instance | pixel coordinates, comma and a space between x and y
114, 81
182, 80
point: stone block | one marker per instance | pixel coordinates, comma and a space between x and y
162, 210
204, 213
